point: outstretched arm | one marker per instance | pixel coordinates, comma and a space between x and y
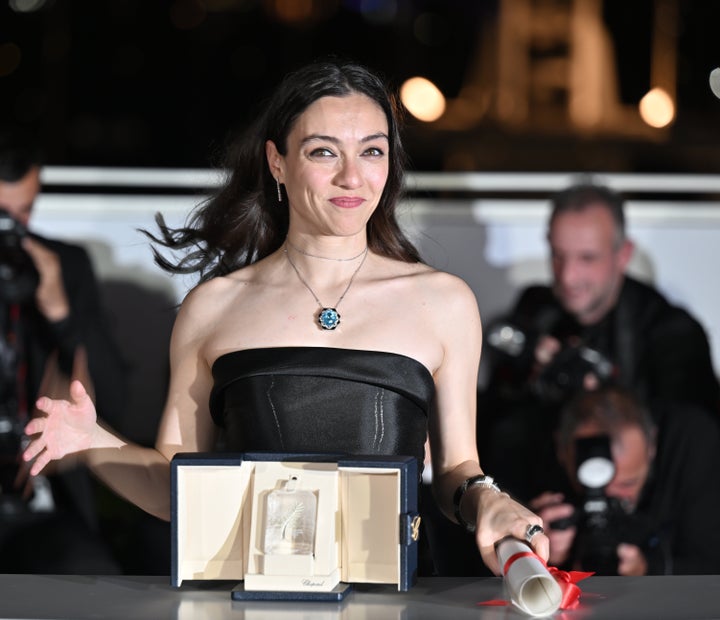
70, 427
139, 474
452, 433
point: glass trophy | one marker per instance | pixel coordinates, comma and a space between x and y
290, 520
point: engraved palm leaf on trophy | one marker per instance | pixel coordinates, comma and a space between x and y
290, 520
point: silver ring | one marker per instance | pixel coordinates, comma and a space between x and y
532, 530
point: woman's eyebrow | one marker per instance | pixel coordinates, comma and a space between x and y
376, 136
316, 136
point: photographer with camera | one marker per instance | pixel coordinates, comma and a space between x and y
638, 497
52, 328
594, 325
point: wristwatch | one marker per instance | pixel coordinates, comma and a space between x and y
479, 480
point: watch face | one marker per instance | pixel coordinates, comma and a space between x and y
596, 472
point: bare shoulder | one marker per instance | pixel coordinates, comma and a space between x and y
207, 302
445, 289
207, 295
438, 304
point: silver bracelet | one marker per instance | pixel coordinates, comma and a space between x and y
479, 480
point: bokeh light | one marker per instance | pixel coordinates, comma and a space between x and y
715, 82
26, 6
422, 99
657, 108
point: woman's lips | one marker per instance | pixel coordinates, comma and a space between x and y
347, 202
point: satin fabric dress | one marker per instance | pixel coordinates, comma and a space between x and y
318, 399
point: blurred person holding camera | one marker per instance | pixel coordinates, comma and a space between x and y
638, 496
594, 325
52, 328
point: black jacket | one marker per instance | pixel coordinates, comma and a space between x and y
673, 521
88, 326
659, 351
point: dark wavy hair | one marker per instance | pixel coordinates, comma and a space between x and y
244, 221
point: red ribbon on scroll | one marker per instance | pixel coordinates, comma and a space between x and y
568, 584
567, 580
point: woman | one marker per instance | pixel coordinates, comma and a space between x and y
315, 325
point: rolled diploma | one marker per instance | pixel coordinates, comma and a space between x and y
531, 586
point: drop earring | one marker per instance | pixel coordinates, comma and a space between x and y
277, 182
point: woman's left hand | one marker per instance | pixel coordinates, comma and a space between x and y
500, 516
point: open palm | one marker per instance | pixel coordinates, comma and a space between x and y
63, 427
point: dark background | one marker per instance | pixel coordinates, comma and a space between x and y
161, 83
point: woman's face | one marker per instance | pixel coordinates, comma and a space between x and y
336, 165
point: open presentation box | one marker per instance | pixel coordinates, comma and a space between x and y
365, 528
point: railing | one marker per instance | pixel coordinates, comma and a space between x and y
480, 182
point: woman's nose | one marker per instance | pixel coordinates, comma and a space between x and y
348, 174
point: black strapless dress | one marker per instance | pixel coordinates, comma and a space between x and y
317, 399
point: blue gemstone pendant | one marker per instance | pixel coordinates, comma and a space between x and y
329, 318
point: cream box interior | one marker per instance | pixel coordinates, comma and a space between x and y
220, 524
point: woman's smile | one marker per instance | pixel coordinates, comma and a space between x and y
347, 202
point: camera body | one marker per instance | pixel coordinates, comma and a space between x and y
11, 438
602, 524
11, 429
19, 277
597, 517
564, 374
601, 520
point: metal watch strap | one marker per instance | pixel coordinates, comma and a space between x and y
479, 480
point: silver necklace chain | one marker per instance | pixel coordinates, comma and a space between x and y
329, 318
340, 260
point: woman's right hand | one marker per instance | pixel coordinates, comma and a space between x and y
65, 428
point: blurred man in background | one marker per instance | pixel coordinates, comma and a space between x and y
594, 325
52, 328
639, 500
